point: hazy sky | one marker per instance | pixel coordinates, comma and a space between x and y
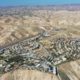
36, 2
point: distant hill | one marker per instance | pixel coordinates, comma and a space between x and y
48, 7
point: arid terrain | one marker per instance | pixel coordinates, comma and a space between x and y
62, 23
52, 32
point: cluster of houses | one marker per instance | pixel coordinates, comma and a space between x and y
27, 50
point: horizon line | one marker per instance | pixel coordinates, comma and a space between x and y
75, 4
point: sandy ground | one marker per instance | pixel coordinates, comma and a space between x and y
71, 69
28, 75
62, 23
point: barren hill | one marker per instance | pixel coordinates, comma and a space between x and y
28, 75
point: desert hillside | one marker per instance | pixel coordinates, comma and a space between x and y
33, 40
71, 69
28, 75
61, 23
